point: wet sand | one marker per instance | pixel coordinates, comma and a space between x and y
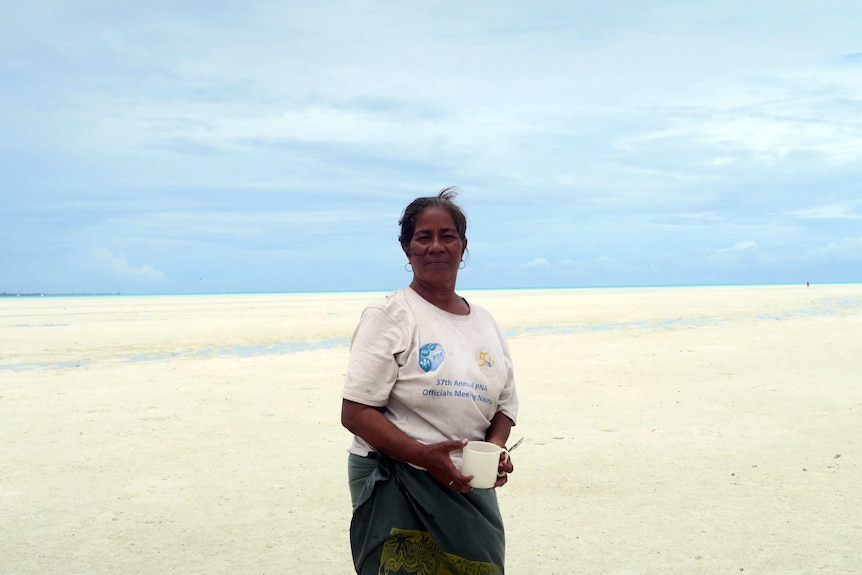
669, 431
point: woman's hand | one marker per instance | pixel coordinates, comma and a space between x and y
504, 469
497, 434
437, 461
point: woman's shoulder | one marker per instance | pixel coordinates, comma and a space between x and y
393, 305
392, 300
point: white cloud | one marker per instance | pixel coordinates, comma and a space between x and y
803, 109
742, 246
120, 266
836, 211
537, 263
739, 254
846, 250
769, 138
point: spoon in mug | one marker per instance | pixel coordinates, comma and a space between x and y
517, 443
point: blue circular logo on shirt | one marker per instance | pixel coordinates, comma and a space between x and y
431, 356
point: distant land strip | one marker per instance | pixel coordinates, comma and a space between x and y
7, 294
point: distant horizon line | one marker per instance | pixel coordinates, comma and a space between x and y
387, 290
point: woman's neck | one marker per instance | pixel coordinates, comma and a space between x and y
443, 297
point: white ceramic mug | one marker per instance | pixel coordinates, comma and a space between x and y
481, 459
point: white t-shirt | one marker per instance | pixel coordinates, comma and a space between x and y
440, 376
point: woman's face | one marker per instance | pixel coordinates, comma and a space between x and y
436, 248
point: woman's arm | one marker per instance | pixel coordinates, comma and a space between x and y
370, 424
498, 431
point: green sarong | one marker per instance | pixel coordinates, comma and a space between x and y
404, 522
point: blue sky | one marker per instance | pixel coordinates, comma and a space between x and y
219, 146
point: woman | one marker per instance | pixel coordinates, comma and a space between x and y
428, 372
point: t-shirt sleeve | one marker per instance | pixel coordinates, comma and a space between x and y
373, 367
508, 400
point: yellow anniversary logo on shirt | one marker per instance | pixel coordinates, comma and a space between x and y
485, 359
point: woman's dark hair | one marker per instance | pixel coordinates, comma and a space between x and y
445, 199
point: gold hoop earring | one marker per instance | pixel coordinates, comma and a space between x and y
408, 267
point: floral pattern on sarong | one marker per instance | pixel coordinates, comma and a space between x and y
408, 551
